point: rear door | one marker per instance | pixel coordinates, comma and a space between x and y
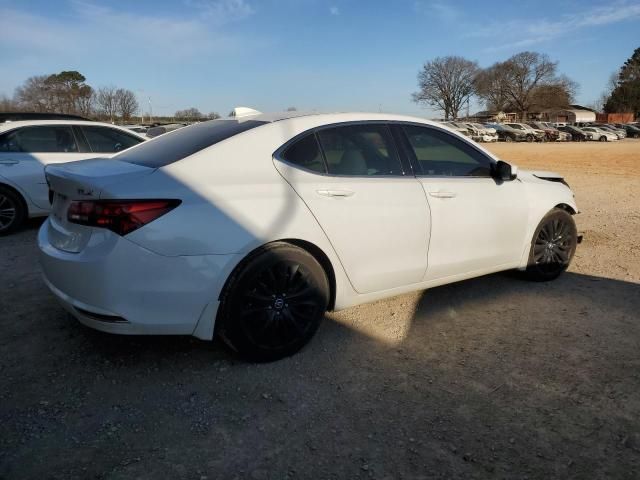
374, 212
25, 151
477, 223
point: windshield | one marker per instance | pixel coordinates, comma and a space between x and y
181, 143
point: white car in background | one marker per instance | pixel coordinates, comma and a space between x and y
26, 147
482, 132
252, 227
597, 134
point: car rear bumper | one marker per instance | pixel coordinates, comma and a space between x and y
119, 287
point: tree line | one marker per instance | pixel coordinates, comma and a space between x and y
522, 83
67, 92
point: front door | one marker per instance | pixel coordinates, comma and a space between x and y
478, 223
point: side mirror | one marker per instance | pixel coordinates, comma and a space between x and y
504, 171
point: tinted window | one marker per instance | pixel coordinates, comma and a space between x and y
359, 150
440, 153
108, 140
45, 139
181, 143
306, 154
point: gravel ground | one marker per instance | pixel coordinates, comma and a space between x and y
488, 378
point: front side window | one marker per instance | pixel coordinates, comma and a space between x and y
440, 153
360, 150
305, 153
44, 139
108, 140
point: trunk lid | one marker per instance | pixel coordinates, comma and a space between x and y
83, 180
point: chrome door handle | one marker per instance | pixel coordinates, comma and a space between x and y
9, 162
335, 193
441, 194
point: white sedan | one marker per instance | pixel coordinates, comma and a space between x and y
600, 135
253, 227
26, 147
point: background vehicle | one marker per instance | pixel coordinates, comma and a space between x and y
482, 132
508, 134
618, 132
18, 116
632, 130
531, 134
27, 146
577, 135
597, 134
462, 129
254, 226
551, 134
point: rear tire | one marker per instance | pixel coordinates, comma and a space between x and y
552, 247
12, 211
273, 303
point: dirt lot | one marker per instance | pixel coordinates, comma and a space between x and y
489, 378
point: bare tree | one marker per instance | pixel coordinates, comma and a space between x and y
523, 73
292, 109
127, 104
7, 104
188, 114
106, 102
490, 86
446, 83
35, 95
213, 116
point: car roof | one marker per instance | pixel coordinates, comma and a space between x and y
6, 126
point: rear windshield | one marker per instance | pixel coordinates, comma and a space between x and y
174, 146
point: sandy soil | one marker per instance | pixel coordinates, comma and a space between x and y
489, 378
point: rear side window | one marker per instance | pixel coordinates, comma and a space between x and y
174, 146
45, 139
360, 150
306, 153
108, 140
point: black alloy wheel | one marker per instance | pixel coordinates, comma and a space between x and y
274, 303
12, 211
553, 246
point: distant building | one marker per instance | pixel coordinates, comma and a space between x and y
615, 117
573, 114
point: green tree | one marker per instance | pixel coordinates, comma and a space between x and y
625, 97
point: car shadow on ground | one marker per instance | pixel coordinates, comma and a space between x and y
491, 376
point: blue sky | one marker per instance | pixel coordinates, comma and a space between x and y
311, 54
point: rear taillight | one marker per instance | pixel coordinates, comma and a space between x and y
119, 216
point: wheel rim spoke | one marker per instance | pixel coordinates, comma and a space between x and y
279, 305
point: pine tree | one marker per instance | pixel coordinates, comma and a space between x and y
626, 96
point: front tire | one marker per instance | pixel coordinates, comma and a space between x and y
273, 303
553, 246
12, 211
603, 139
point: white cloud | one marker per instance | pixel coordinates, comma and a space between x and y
222, 11
92, 29
527, 32
441, 9
334, 10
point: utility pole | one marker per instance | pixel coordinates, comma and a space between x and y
150, 111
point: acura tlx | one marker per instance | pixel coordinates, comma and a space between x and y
252, 227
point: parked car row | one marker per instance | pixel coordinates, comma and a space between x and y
539, 131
